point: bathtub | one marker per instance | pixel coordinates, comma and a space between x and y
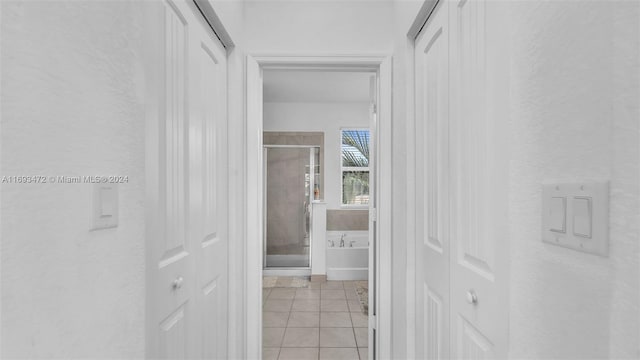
350, 262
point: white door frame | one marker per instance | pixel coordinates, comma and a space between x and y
253, 180
419, 22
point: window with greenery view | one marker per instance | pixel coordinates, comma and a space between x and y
355, 166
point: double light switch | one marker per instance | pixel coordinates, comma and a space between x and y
576, 216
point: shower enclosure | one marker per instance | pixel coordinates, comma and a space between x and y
291, 184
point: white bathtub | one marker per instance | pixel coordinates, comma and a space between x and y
350, 262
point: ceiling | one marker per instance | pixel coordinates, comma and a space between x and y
315, 86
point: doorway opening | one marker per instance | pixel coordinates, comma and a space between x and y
315, 167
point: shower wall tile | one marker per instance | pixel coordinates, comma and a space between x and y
347, 220
298, 138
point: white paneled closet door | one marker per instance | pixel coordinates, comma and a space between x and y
479, 170
461, 84
432, 191
187, 198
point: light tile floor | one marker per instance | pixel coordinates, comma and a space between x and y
312, 320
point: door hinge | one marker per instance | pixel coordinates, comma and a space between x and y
374, 320
374, 108
373, 213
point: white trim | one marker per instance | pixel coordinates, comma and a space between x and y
384, 209
254, 221
253, 177
237, 198
411, 180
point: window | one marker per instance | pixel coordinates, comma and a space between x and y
355, 167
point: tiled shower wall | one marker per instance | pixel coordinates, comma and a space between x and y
298, 138
347, 220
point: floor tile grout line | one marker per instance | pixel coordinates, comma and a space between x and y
320, 311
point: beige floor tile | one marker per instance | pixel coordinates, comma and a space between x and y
307, 294
284, 281
301, 337
282, 294
351, 294
314, 285
332, 285
274, 319
304, 319
272, 337
338, 354
299, 282
349, 284
269, 281
354, 306
359, 319
270, 353
306, 305
337, 337
299, 354
332, 294
364, 353
265, 293
335, 319
362, 336
333, 305
277, 305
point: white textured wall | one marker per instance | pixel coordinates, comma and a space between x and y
318, 26
325, 117
574, 116
71, 104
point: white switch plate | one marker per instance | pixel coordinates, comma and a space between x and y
104, 214
585, 220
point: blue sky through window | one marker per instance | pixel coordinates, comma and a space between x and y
355, 148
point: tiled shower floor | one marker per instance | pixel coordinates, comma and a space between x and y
312, 320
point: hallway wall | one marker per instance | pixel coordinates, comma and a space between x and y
574, 117
72, 104
318, 27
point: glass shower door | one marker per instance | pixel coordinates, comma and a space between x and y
289, 189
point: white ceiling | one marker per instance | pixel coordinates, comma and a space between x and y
315, 86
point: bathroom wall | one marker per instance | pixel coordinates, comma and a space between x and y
574, 117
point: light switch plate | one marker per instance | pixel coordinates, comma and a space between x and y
585, 220
104, 212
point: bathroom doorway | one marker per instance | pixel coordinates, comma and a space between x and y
291, 183
323, 314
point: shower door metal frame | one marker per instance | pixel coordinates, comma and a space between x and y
312, 179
